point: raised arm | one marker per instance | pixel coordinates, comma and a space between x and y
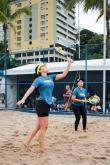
62, 75
26, 95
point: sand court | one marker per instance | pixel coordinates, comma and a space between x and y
63, 145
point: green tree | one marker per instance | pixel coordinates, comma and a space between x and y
1, 47
7, 18
95, 44
95, 5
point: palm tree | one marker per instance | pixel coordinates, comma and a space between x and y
94, 5
7, 18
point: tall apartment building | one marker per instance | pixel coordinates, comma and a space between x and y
49, 26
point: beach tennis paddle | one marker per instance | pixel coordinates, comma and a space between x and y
92, 100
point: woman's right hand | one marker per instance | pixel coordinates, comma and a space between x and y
20, 102
84, 101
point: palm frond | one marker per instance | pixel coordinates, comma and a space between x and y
100, 15
94, 5
3, 18
12, 26
5, 7
70, 4
18, 12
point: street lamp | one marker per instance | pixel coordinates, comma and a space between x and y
104, 57
79, 56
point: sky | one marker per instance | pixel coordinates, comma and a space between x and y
88, 20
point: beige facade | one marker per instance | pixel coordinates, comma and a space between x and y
42, 20
48, 26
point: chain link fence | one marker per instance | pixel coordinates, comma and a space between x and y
13, 87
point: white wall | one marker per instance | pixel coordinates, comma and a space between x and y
2, 92
11, 91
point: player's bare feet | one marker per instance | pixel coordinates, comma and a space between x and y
26, 147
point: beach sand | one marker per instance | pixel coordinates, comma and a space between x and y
63, 145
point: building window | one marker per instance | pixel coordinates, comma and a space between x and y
30, 31
18, 44
42, 22
56, 59
30, 2
61, 34
29, 53
42, 52
42, 35
46, 52
30, 25
51, 46
19, 5
19, 33
23, 61
51, 59
18, 38
18, 21
71, 16
30, 42
37, 59
43, 5
30, 37
24, 55
30, 19
42, 29
42, 16
30, 61
18, 27
58, 7
41, 59
36, 53
51, 51
19, 61
46, 59
18, 55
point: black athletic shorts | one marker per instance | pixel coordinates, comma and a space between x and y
42, 108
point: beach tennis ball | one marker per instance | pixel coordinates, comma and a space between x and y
59, 49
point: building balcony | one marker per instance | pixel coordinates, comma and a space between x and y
65, 42
62, 12
63, 25
61, 30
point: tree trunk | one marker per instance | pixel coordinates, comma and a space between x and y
5, 62
5, 45
5, 31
